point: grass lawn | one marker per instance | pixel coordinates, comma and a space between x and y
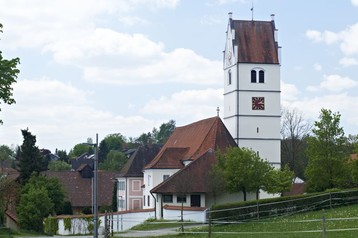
305, 225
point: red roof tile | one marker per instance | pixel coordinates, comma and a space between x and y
255, 41
79, 190
190, 142
196, 141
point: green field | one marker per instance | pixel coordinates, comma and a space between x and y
340, 222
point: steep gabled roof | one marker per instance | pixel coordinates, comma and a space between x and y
255, 41
142, 156
79, 190
190, 142
192, 178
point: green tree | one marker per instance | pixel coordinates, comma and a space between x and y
243, 170
59, 166
33, 207
62, 154
5, 154
111, 142
54, 190
165, 130
114, 162
79, 150
327, 158
279, 181
8, 76
31, 161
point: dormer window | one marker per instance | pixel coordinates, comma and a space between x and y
261, 74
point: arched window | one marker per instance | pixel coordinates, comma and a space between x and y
261, 76
229, 77
253, 76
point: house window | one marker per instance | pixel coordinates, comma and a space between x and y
261, 76
148, 200
121, 185
253, 76
181, 199
149, 178
165, 177
136, 185
168, 198
121, 202
229, 77
144, 200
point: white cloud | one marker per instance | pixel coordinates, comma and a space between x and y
348, 61
355, 2
334, 83
289, 92
61, 114
197, 104
317, 67
180, 66
348, 38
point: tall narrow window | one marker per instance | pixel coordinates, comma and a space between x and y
144, 200
148, 201
261, 76
229, 77
253, 76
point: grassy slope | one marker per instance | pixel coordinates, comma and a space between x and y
291, 226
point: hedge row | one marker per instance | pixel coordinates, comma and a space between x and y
257, 209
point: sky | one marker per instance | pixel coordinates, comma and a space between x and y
126, 66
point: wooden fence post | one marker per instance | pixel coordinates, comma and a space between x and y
323, 224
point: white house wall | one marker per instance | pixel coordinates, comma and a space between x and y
153, 177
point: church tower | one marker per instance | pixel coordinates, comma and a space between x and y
252, 104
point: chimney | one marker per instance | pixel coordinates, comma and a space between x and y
230, 15
272, 17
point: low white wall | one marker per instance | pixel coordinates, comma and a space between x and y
121, 221
197, 216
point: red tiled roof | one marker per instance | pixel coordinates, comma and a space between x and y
255, 41
79, 190
197, 141
190, 142
193, 177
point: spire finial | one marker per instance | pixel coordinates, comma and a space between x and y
252, 10
217, 111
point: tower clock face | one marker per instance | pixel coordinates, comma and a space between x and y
258, 103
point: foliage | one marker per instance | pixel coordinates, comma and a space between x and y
294, 130
33, 207
215, 182
62, 154
59, 166
111, 142
31, 160
53, 188
87, 210
243, 170
79, 150
67, 208
6, 154
157, 136
67, 223
280, 180
8, 75
327, 160
114, 162
51, 226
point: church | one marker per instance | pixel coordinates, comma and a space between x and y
179, 175
252, 105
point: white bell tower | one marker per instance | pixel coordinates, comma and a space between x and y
252, 104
